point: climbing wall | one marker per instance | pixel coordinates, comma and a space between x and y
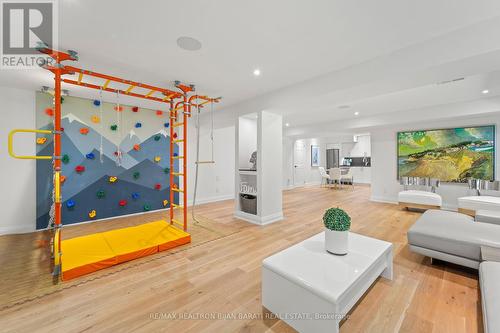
130, 176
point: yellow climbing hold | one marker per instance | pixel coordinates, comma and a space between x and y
41, 141
165, 203
157, 159
92, 213
95, 119
113, 179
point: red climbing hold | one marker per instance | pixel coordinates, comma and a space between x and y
122, 203
137, 147
135, 109
157, 186
62, 179
118, 108
159, 112
175, 135
84, 131
79, 168
49, 112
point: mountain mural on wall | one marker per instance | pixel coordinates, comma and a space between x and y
138, 174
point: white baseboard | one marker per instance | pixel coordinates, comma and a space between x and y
211, 199
16, 230
388, 200
28, 229
258, 219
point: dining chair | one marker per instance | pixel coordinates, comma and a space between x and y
325, 178
348, 177
335, 176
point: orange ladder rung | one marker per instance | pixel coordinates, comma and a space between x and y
179, 140
177, 190
178, 223
178, 124
177, 206
177, 157
177, 174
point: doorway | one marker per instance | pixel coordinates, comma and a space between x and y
299, 160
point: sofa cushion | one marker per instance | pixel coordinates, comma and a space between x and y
453, 233
420, 197
489, 275
488, 216
482, 202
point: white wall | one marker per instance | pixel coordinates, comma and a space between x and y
247, 142
215, 181
311, 174
17, 176
360, 148
385, 186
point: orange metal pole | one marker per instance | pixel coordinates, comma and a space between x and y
94, 86
57, 155
119, 80
172, 168
184, 161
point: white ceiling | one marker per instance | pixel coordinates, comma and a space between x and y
314, 55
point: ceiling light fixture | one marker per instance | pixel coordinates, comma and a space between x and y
188, 43
485, 91
287, 124
356, 113
256, 72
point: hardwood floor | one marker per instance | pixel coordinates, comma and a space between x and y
215, 286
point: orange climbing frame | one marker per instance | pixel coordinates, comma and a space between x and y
177, 101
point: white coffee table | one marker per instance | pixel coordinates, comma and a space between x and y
312, 290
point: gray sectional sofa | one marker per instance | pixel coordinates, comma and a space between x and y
459, 239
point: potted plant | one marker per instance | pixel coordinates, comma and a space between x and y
337, 223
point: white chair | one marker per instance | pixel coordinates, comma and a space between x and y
325, 178
335, 175
348, 177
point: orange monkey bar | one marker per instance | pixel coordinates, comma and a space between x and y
169, 96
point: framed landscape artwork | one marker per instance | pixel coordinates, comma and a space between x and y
451, 155
314, 156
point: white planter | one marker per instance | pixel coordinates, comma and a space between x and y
336, 242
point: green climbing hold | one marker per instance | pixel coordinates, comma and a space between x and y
136, 175
166, 170
157, 137
147, 207
113, 127
65, 159
101, 194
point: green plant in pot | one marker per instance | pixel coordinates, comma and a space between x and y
337, 223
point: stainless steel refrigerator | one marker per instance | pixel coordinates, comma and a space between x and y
332, 158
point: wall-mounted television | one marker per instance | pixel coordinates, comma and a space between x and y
451, 154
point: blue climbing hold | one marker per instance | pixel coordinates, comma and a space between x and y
97, 102
90, 156
135, 195
175, 154
167, 125
138, 125
70, 204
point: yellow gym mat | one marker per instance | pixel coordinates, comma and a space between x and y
86, 254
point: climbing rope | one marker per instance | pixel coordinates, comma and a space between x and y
101, 148
120, 129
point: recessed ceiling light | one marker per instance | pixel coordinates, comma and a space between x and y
256, 72
356, 113
188, 43
485, 91
287, 124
